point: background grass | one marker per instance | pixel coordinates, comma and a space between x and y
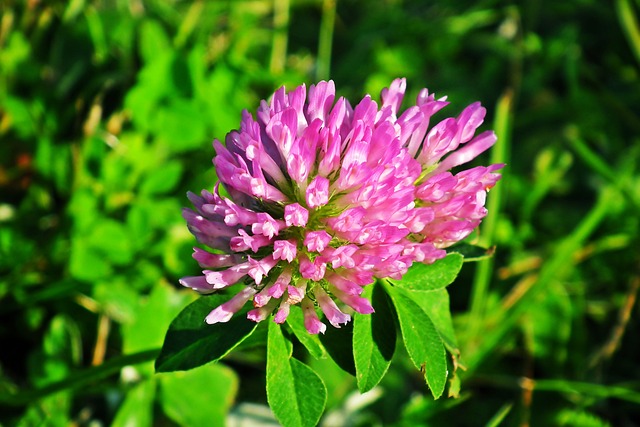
107, 111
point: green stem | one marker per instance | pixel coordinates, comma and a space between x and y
629, 24
497, 419
80, 378
189, 23
484, 272
595, 162
588, 389
326, 39
280, 36
587, 155
599, 391
557, 268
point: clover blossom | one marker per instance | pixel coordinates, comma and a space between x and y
319, 199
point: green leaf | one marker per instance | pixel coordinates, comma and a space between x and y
153, 39
421, 339
201, 397
74, 8
181, 125
52, 411
137, 408
111, 238
436, 303
374, 339
61, 351
97, 33
52, 161
549, 326
440, 274
162, 180
190, 342
22, 120
570, 417
153, 315
224, 82
117, 298
154, 84
471, 252
339, 344
15, 52
502, 413
295, 392
311, 342
86, 264
177, 252
83, 208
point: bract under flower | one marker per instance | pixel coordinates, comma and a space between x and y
324, 198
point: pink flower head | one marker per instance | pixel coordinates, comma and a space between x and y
324, 198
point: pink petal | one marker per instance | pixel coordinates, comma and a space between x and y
283, 312
469, 152
330, 309
285, 250
311, 320
197, 283
313, 270
317, 193
295, 215
225, 312
316, 241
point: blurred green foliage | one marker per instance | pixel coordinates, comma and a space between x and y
107, 111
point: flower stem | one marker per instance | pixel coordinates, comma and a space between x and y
499, 154
280, 36
560, 264
326, 39
630, 25
79, 379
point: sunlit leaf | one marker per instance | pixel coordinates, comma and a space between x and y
181, 125
152, 318
111, 239
427, 277
374, 339
423, 343
436, 304
550, 325
53, 410
311, 342
190, 342
295, 393
200, 397
87, 264
137, 408
61, 351
153, 39
117, 298
162, 180
569, 417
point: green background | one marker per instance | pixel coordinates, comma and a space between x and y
107, 113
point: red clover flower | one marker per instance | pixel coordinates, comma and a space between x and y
322, 199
